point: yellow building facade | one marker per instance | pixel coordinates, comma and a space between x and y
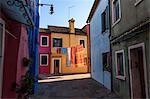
68, 38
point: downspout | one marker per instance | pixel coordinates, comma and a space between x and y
88, 24
110, 45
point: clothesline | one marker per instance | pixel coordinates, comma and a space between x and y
74, 55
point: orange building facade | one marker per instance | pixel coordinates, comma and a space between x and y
69, 49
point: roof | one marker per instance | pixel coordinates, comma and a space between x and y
58, 29
44, 30
84, 28
61, 29
94, 7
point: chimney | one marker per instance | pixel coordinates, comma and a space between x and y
71, 26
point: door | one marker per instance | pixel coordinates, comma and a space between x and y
2, 27
56, 66
137, 72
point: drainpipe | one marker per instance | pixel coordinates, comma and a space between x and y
110, 45
89, 48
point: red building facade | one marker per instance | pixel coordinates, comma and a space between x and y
44, 52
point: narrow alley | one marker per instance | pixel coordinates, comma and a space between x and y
79, 86
74, 49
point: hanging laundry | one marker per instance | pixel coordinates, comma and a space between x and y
73, 52
68, 60
80, 55
79, 48
58, 50
64, 50
55, 49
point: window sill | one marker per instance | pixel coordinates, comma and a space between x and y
44, 65
116, 22
44, 45
106, 31
138, 2
121, 77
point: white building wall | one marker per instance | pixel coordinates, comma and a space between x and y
99, 44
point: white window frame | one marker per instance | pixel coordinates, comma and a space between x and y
1, 69
52, 71
113, 16
41, 59
120, 76
47, 41
137, 2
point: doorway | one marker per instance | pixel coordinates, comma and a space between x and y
56, 66
137, 71
2, 36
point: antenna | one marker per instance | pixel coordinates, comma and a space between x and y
69, 10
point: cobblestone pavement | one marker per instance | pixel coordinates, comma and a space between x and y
82, 88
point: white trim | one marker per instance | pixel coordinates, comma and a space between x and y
144, 63
52, 71
41, 41
119, 76
41, 59
117, 21
3, 47
137, 2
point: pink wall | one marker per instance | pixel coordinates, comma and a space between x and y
44, 50
23, 52
13, 52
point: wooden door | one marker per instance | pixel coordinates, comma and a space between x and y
56, 66
1, 56
137, 72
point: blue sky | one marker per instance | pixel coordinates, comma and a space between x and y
79, 10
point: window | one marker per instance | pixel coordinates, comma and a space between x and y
116, 11
57, 42
44, 41
2, 42
82, 42
1, 39
44, 59
120, 64
106, 66
105, 19
137, 2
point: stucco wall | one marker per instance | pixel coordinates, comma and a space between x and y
130, 15
44, 50
22, 52
118, 85
99, 44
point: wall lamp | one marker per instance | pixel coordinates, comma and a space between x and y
18, 3
51, 7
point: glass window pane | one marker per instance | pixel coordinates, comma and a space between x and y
1, 38
82, 42
44, 60
120, 64
116, 10
44, 40
57, 42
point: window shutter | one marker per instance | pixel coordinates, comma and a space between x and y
103, 21
107, 17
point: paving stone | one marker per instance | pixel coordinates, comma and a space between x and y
74, 89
